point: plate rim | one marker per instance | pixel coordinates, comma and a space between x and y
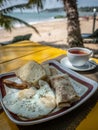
92, 82
74, 68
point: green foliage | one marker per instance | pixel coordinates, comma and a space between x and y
37, 3
7, 21
59, 16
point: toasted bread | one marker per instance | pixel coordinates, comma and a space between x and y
31, 72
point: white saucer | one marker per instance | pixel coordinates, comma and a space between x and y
88, 66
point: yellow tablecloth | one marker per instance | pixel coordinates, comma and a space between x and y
14, 55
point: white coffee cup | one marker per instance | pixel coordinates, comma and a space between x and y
79, 56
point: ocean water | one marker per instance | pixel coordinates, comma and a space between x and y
35, 17
31, 17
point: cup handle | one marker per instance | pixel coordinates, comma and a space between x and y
91, 53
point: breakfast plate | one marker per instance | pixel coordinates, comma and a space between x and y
88, 66
84, 87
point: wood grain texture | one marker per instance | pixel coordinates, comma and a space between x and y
15, 55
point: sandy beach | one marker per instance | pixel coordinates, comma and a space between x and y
52, 32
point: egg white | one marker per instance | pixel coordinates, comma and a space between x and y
31, 103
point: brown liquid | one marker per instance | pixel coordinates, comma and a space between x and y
77, 52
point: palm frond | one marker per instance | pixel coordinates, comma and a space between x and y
2, 2
11, 8
29, 4
8, 22
38, 3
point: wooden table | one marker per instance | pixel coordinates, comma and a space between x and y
84, 117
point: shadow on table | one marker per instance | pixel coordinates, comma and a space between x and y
64, 46
17, 39
55, 44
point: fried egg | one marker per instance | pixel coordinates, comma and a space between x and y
31, 103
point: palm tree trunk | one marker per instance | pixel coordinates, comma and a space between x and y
73, 26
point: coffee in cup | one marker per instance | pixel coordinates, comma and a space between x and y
78, 56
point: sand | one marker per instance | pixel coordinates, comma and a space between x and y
52, 32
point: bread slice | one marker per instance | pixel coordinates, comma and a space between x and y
47, 69
31, 72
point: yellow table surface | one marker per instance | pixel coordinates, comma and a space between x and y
15, 55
